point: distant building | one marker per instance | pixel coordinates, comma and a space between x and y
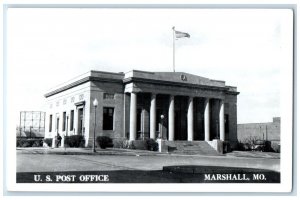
139, 104
264, 131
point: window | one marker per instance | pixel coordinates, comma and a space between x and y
72, 120
57, 124
50, 123
108, 96
81, 97
64, 121
108, 118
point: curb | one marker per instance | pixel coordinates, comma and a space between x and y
62, 151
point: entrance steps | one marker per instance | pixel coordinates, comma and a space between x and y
191, 148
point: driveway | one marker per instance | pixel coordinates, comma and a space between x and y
40, 162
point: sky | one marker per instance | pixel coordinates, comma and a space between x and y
247, 48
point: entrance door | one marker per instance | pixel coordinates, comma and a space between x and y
80, 121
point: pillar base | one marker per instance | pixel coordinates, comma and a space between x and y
217, 145
162, 146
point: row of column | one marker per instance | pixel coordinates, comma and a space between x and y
171, 118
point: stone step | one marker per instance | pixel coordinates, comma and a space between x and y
191, 147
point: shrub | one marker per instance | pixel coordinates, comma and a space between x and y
226, 147
48, 141
29, 142
74, 141
268, 146
120, 143
37, 143
247, 146
152, 145
240, 146
149, 144
104, 142
19, 143
128, 144
275, 147
138, 144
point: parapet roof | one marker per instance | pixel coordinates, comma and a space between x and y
176, 77
137, 75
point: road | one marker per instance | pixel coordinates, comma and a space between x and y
54, 163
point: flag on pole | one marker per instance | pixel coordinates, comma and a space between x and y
179, 34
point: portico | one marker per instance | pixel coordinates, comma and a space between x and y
181, 117
176, 109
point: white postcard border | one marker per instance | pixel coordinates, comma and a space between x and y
286, 155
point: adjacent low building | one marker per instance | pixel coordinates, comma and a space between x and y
139, 104
269, 131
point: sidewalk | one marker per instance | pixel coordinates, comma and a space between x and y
135, 152
88, 151
254, 154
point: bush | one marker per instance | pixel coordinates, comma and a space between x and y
104, 142
152, 145
149, 144
226, 147
120, 143
243, 146
48, 141
239, 146
74, 141
29, 142
268, 147
276, 147
138, 144
37, 143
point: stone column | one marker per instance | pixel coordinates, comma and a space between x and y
153, 116
171, 117
222, 121
133, 116
190, 119
207, 119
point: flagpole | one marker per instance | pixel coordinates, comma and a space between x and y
173, 48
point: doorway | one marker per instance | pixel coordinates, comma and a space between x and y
181, 117
80, 121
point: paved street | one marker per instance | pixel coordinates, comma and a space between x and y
40, 162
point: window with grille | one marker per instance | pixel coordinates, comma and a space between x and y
108, 96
